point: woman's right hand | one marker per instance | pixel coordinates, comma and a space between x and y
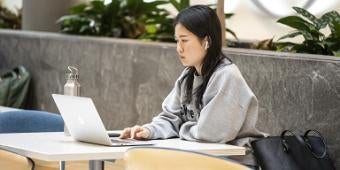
136, 132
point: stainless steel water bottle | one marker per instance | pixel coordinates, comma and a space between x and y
71, 87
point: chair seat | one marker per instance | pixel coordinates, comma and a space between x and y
30, 121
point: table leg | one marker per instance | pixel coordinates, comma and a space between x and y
96, 165
61, 165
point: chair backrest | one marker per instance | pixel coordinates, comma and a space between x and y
152, 158
30, 121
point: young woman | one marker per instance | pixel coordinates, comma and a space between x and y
211, 101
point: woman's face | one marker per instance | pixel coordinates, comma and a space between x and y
190, 48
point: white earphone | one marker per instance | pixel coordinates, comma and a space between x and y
206, 45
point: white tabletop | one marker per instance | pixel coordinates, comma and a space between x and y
54, 146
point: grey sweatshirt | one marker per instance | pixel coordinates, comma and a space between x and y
228, 113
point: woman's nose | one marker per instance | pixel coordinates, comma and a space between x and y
179, 48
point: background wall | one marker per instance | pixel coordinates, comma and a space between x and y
42, 15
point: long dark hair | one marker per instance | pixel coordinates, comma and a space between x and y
203, 22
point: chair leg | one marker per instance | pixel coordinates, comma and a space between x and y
96, 165
118, 164
62, 165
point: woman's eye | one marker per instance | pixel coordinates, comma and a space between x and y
184, 41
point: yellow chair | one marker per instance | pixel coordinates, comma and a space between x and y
12, 161
145, 158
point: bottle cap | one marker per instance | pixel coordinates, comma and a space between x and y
73, 75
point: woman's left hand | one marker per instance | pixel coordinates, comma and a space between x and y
136, 132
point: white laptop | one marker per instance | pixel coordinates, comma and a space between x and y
84, 124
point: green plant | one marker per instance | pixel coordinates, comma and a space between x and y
125, 19
9, 19
180, 5
309, 27
119, 18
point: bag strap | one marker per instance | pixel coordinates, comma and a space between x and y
284, 140
304, 141
309, 146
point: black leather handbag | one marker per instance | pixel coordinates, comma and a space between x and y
293, 152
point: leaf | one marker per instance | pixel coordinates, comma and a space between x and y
285, 43
336, 53
333, 43
306, 14
68, 17
78, 9
98, 5
266, 44
308, 30
312, 47
184, 4
113, 8
152, 7
84, 28
336, 30
285, 46
152, 28
232, 33
291, 35
308, 36
228, 15
334, 21
297, 23
324, 20
66, 30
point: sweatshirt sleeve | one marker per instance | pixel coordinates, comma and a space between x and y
168, 122
225, 104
